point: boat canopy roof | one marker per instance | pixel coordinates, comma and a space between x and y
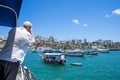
9, 12
54, 54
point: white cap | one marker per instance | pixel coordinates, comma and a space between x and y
27, 23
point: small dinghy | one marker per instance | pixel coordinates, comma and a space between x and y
76, 64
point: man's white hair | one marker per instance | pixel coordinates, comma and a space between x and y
27, 23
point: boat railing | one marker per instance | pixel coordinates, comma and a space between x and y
24, 73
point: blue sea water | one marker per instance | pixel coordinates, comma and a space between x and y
104, 66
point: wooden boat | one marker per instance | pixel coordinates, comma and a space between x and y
54, 58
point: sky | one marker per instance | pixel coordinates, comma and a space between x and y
72, 19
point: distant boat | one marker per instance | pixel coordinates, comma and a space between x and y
103, 50
34, 49
91, 52
114, 49
75, 53
54, 58
46, 50
76, 64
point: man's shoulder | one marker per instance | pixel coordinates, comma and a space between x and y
23, 30
20, 29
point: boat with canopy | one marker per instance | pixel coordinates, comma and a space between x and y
54, 57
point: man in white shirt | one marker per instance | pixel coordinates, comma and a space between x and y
14, 51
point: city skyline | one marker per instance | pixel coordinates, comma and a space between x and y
72, 19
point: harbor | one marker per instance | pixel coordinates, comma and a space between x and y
62, 40
96, 67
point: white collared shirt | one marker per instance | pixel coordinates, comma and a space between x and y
17, 45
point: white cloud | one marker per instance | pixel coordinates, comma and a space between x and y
107, 16
85, 25
76, 21
117, 11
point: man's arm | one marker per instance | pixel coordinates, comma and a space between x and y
30, 31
